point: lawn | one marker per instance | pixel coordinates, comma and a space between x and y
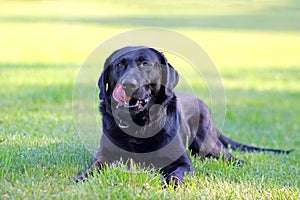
255, 46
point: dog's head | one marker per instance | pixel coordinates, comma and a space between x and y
136, 78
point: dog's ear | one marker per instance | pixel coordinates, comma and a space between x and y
103, 80
172, 79
170, 76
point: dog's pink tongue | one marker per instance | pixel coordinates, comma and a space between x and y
119, 93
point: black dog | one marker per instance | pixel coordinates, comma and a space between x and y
144, 120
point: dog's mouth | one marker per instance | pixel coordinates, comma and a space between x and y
123, 100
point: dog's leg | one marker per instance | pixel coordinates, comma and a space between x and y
176, 170
99, 162
97, 165
212, 147
219, 150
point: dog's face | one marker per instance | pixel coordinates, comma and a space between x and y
136, 79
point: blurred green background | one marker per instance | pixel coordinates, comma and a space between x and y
254, 44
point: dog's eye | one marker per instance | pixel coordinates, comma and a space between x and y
145, 63
119, 65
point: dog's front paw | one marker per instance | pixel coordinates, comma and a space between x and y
81, 178
174, 179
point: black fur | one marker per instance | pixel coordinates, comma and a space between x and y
150, 75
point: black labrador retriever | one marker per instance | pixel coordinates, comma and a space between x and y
144, 120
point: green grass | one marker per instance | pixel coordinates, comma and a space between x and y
255, 45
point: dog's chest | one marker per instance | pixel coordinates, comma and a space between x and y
134, 141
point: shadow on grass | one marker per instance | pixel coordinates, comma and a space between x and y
37, 65
271, 22
273, 18
281, 16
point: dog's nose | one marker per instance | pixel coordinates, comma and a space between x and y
129, 85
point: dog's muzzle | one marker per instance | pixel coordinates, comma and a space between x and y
123, 100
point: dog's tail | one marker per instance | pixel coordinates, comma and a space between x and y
228, 143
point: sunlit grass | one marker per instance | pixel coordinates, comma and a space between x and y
63, 43
135, 7
47, 32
